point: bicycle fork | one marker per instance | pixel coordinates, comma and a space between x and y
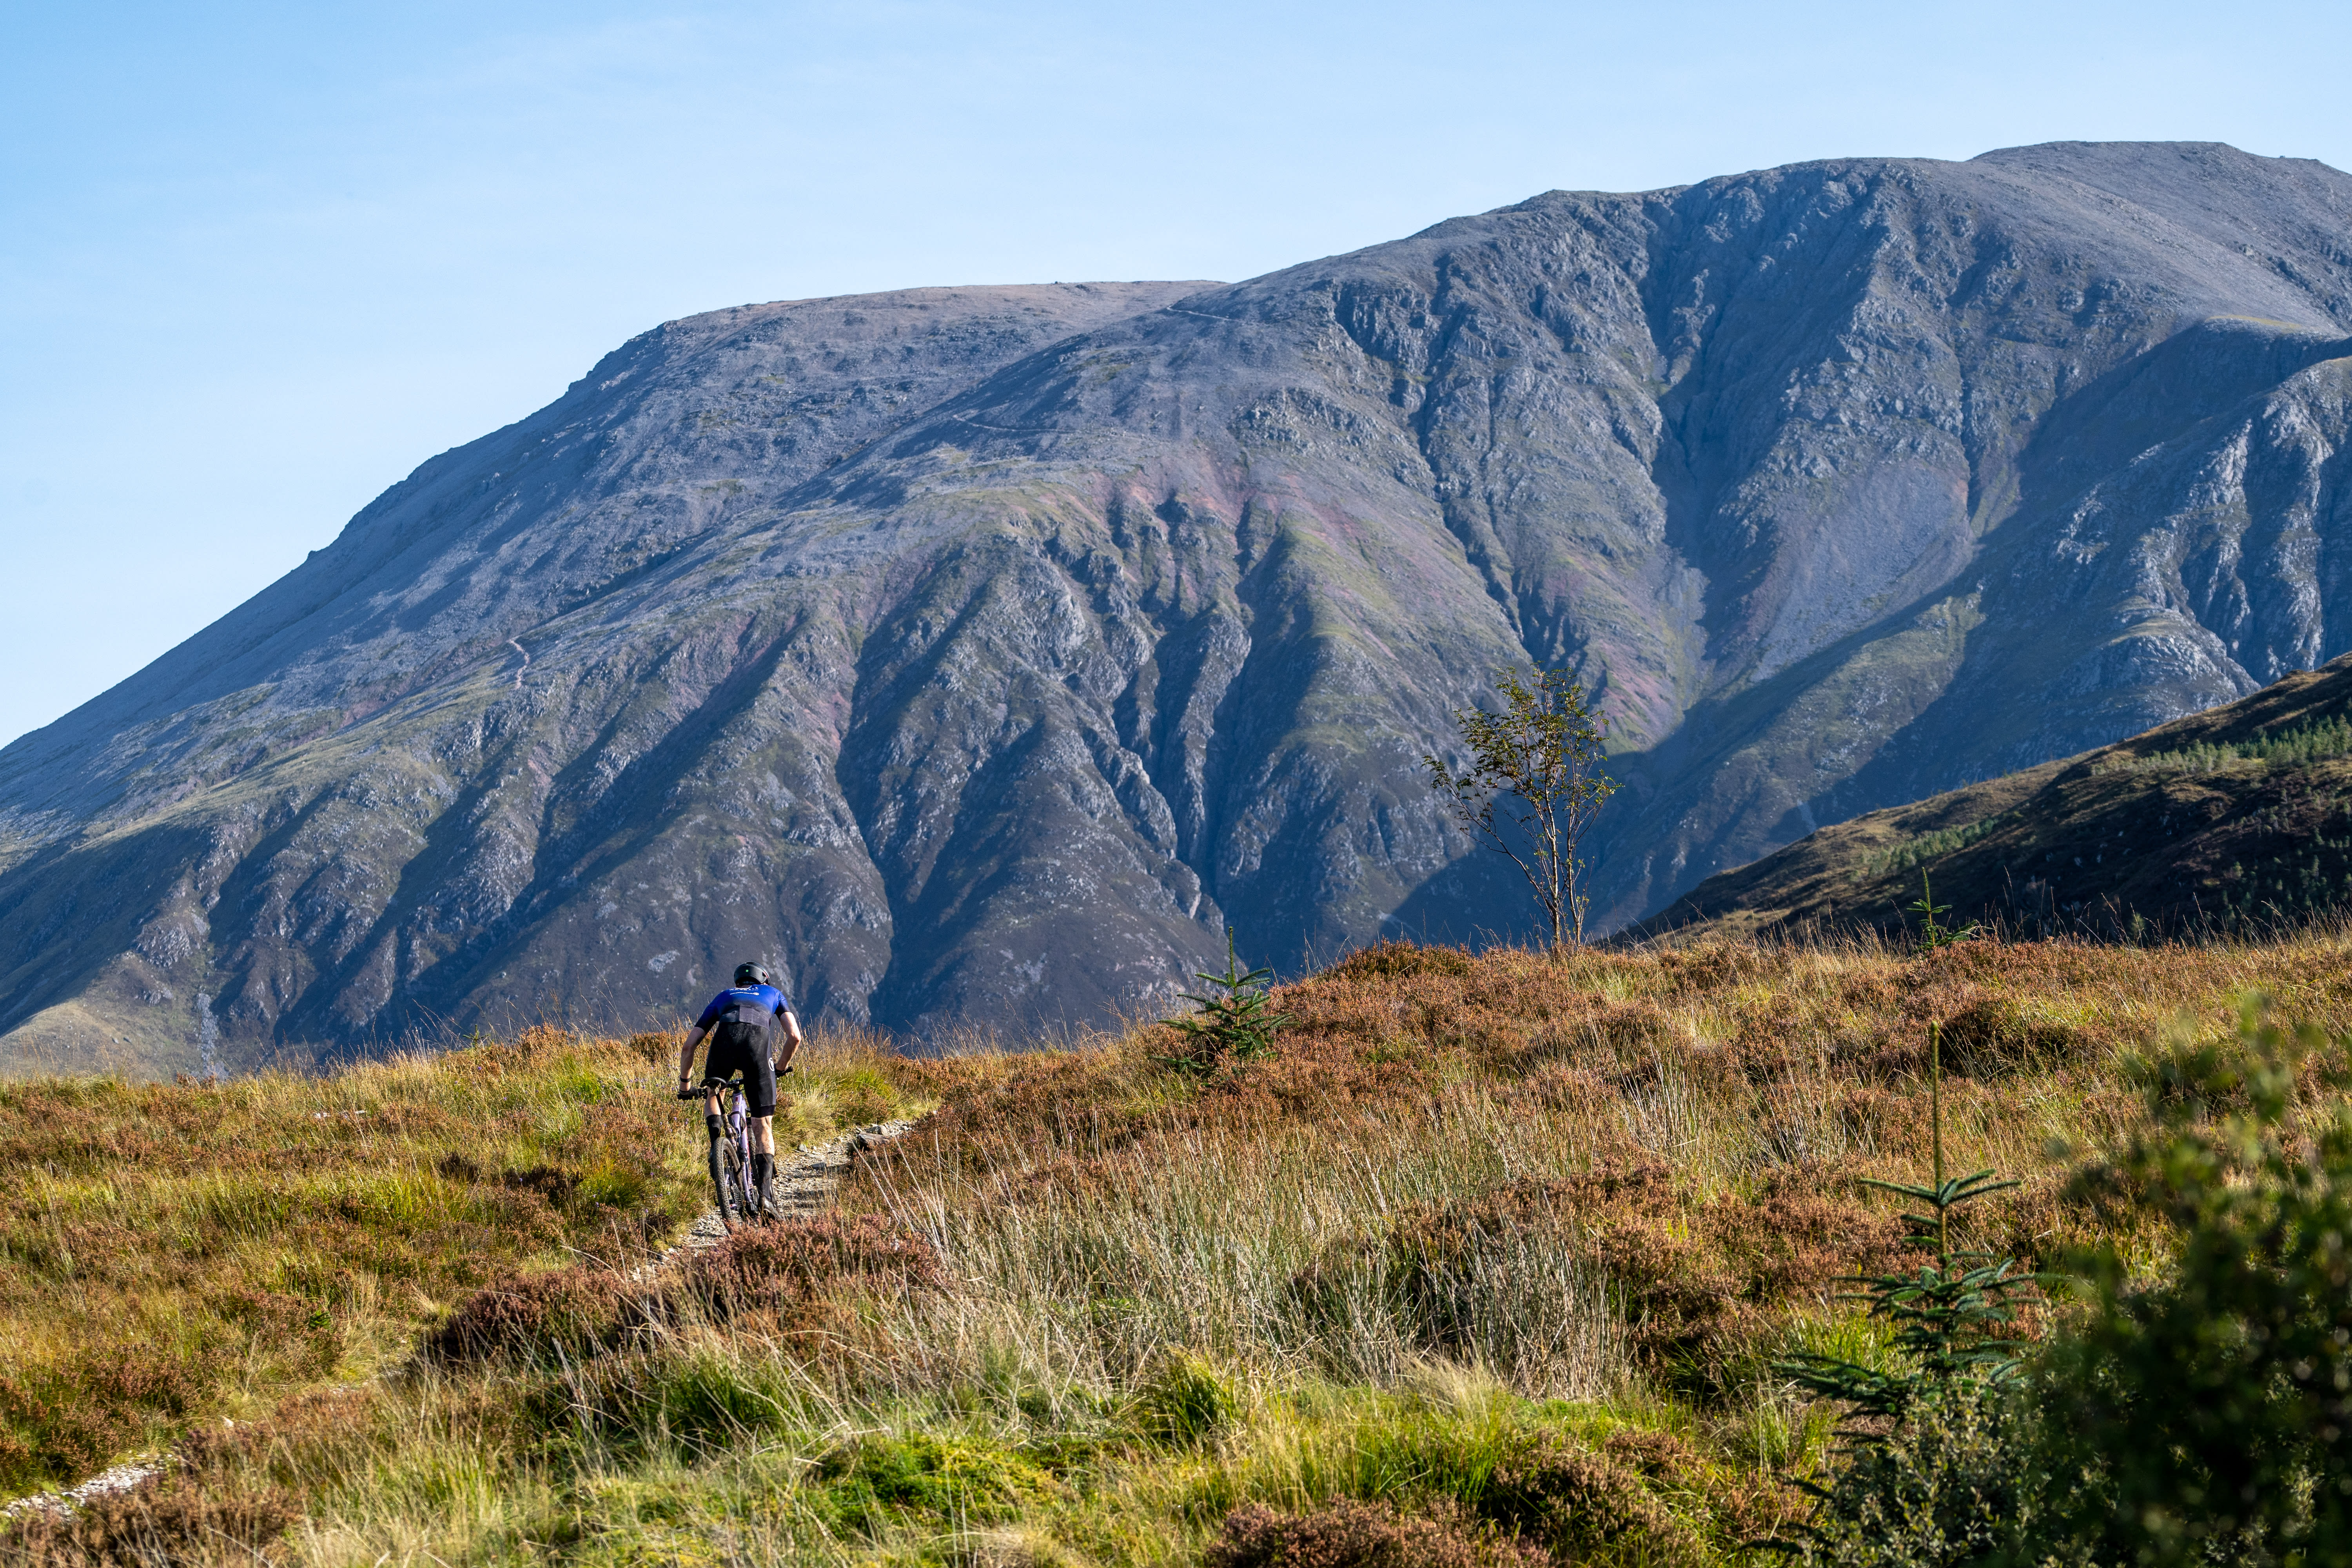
739, 1132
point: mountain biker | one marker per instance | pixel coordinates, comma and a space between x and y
737, 1022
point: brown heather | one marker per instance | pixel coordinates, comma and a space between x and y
1488, 1266
1346, 1534
778, 1276
172, 1252
161, 1522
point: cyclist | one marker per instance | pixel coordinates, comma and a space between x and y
737, 1022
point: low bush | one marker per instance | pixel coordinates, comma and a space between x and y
779, 1269
163, 1522
1347, 1534
1587, 1507
72, 1417
778, 1274
2207, 1413
563, 1312
1957, 1483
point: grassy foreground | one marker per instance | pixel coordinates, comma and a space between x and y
1488, 1266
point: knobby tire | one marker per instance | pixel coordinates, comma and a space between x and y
731, 1165
722, 1172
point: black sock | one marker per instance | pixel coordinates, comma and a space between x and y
763, 1170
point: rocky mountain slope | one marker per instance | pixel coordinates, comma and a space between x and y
2238, 819
979, 654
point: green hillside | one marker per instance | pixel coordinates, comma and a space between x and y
1491, 1263
2235, 819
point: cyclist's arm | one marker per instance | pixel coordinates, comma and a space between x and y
792, 1039
685, 1057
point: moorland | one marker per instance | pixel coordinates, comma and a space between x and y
1498, 1259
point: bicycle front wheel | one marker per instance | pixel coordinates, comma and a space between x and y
728, 1176
748, 1187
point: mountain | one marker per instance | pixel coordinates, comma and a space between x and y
2238, 819
977, 654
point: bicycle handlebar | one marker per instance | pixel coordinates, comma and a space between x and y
696, 1091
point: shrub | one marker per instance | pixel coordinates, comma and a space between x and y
1399, 960
778, 1270
656, 1049
571, 1309
160, 1523
1586, 1506
2212, 1410
1957, 1483
70, 1419
1347, 1534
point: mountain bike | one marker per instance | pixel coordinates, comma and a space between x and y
730, 1158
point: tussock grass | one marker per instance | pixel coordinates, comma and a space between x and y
1487, 1265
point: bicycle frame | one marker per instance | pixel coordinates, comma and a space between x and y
736, 1189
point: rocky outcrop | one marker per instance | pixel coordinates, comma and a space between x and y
980, 654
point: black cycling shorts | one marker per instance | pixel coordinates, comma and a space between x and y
754, 1062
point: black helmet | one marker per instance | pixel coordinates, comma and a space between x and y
750, 975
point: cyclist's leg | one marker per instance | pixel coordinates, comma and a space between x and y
760, 1090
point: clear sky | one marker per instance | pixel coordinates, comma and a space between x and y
258, 261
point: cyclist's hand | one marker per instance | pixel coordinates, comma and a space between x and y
687, 1091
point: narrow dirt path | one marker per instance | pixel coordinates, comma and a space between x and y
806, 1182
121, 1479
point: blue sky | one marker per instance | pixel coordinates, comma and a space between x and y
258, 261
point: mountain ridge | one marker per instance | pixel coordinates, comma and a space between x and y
2206, 836
985, 684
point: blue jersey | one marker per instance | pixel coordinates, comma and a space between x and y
775, 1001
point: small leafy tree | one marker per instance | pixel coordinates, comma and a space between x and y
1233, 1021
1543, 750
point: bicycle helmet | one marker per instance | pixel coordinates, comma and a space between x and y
750, 975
